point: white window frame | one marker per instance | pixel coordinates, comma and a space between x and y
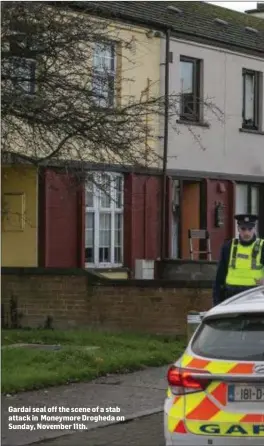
106, 51
113, 210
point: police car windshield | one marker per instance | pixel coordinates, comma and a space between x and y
236, 337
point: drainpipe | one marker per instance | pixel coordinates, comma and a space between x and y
163, 230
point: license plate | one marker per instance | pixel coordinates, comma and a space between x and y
242, 393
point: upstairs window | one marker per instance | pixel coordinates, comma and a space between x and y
104, 69
19, 66
251, 99
190, 87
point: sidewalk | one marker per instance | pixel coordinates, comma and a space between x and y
136, 394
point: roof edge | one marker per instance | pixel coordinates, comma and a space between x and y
251, 11
159, 26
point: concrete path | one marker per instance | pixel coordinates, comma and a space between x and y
133, 395
144, 431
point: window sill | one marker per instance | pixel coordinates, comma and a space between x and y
256, 132
196, 123
104, 266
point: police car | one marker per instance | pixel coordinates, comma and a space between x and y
216, 389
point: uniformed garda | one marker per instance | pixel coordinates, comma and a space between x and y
244, 265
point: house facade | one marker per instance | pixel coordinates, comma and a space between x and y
215, 157
217, 153
85, 225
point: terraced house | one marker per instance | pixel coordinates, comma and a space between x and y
49, 221
216, 160
258, 11
211, 61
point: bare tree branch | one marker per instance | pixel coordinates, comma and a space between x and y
62, 79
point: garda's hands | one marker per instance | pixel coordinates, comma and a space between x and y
260, 282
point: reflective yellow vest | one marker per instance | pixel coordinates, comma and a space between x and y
244, 264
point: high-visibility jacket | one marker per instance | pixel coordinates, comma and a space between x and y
245, 264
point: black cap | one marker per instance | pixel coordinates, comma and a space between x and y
246, 220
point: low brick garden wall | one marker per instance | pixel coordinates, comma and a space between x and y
65, 299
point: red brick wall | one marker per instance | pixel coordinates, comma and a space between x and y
220, 191
71, 302
62, 232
